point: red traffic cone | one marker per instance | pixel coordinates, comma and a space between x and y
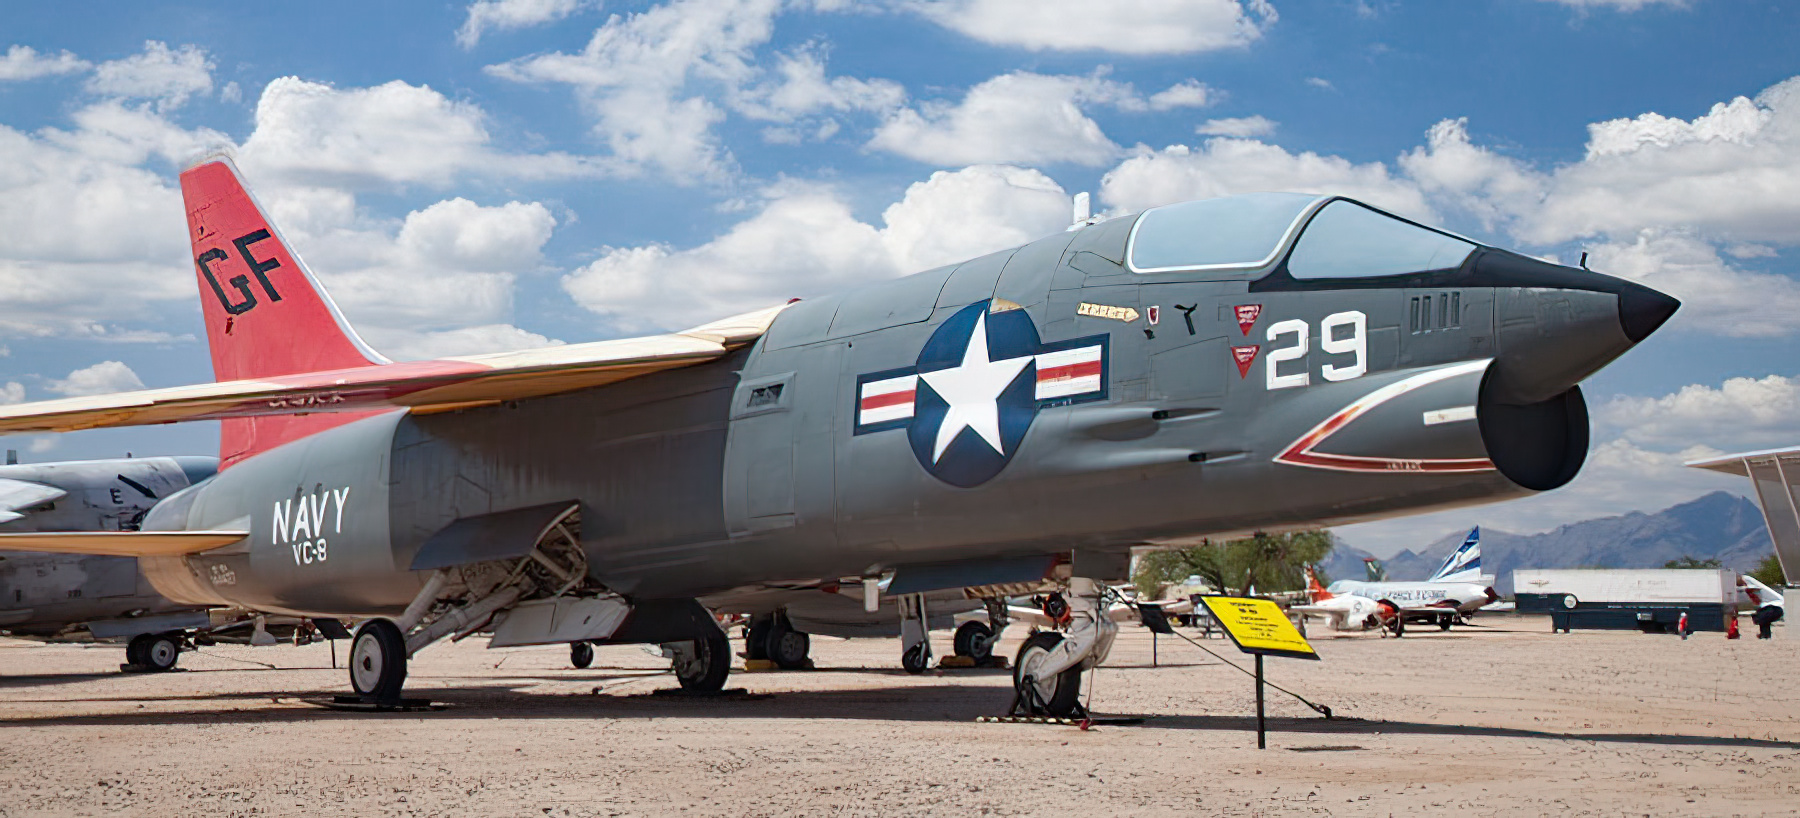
1731, 626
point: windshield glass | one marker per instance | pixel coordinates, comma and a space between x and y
1235, 231
1348, 240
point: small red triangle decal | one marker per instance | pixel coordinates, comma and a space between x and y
1245, 356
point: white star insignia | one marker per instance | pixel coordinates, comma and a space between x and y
973, 389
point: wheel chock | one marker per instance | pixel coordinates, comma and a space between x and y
358, 704
760, 665
956, 662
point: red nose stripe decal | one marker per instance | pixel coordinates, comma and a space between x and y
1302, 451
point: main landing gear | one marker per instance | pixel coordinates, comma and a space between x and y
1047, 671
378, 661
702, 664
773, 637
153, 652
976, 640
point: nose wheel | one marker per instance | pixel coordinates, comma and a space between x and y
581, 654
1039, 690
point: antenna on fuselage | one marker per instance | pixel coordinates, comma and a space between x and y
1082, 211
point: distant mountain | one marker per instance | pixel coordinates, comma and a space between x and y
1720, 525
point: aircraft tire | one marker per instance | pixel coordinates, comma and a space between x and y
786, 647
715, 664
756, 636
916, 659
581, 654
161, 651
134, 650
975, 640
1058, 697
378, 660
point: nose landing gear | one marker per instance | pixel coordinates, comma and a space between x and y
1047, 671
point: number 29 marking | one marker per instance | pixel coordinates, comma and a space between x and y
1354, 342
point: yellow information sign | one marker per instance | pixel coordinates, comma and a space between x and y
1259, 626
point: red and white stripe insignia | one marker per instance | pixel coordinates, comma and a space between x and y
1069, 372
886, 400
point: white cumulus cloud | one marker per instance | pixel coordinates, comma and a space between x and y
1119, 26
634, 76
102, 378
1224, 166
805, 241
391, 133
1242, 127
506, 15
22, 62
167, 76
1023, 118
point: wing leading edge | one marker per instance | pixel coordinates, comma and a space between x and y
421, 386
121, 543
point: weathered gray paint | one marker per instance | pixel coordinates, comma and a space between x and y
688, 490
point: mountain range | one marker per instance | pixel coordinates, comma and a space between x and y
1719, 525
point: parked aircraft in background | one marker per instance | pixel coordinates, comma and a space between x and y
72, 596
1453, 592
1199, 370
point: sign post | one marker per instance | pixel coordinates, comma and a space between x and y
1258, 627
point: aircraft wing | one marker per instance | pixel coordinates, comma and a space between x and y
422, 386
121, 543
18, 495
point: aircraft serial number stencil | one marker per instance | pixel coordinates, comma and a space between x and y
1259, 626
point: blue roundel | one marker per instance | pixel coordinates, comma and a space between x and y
977, 395
973, 392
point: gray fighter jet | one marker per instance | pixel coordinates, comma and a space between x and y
1023, 419
71, 596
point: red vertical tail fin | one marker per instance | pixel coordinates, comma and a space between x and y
266, 315
1314, 591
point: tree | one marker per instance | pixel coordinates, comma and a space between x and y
1267, 562
1688, 561
1768, 572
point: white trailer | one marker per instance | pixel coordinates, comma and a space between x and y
1649, 599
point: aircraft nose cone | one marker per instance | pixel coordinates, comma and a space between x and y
1642, 310
1556, 325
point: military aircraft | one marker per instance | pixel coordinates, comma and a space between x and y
1456, 590
68, 596
1205, 369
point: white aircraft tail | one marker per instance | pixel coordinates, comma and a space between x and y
1463, 564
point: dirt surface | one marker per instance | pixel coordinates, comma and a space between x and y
1503, 720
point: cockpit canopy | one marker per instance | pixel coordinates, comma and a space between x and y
1337, 238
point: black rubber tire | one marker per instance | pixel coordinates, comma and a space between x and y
786, 647
975, 640
756, 637
1060, 700
1399, 626
134, 650
161, 651
1444, 623
916, 659
715, 655
581, 654
378, 661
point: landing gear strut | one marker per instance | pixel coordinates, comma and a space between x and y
915, 634
1047, 671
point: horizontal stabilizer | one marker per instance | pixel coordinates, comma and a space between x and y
422, 386
121, 543
19, 495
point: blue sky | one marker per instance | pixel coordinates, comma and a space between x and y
519, 172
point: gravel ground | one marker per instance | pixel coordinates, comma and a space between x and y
1502, 720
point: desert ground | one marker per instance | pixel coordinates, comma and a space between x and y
1507, 719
